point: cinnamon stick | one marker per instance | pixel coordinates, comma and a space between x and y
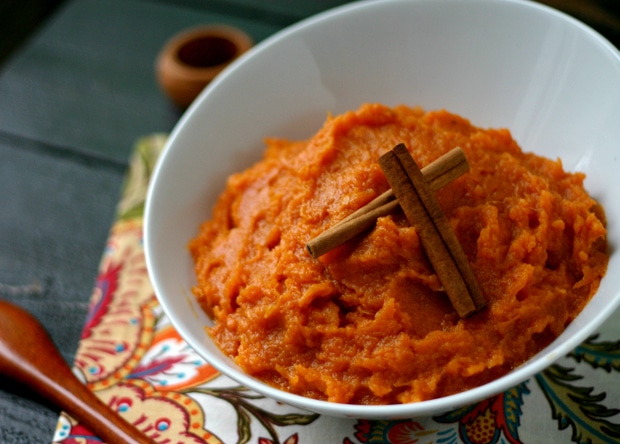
436, 235
437, 174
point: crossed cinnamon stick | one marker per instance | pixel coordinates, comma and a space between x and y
413, 190
437, 174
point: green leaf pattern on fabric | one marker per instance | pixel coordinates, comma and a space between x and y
578, 407
604, 354
141, 167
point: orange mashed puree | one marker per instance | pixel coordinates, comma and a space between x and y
368, 322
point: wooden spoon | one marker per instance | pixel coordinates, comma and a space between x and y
28, 356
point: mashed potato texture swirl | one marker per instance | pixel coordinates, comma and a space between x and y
368, 322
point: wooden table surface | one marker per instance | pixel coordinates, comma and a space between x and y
77, 89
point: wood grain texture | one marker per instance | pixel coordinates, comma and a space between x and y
19, 19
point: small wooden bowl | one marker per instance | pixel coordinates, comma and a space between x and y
191, 59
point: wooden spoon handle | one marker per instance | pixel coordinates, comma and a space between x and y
28, 356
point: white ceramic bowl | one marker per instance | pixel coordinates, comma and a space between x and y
554, 82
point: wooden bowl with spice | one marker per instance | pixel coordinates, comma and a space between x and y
347, 223
194, 57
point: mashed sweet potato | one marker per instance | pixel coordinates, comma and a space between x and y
368, 322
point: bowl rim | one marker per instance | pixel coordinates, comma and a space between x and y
408, 410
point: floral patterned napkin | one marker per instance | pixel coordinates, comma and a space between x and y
135, 361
